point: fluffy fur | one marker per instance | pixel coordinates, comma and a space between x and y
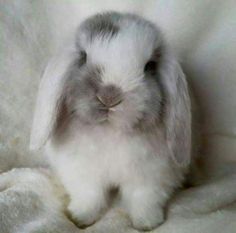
114, 112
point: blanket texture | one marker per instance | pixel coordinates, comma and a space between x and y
203, 35
31, 201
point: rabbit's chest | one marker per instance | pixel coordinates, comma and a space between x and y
111, 145
107, 151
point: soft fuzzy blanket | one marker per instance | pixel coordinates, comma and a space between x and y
30, 201
203, 34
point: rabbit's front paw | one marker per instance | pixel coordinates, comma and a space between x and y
147, 220
82, 215
87, 206
145, 207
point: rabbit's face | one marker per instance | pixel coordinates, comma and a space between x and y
117, 72
115, 78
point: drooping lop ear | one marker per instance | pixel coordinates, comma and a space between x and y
177, 114
50, 96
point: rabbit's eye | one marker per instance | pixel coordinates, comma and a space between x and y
150, 67
82, 58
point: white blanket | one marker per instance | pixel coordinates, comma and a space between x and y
31, 202
203, 34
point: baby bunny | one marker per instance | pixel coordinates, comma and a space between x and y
113, 111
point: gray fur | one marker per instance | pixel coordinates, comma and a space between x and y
101, 25
81, 88
110, 95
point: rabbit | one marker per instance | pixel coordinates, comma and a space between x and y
113, 111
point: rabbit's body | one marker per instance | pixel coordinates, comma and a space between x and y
114, 111
136, 163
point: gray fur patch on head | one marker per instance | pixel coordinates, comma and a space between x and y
101, 25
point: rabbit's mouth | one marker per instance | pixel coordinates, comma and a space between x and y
106, 114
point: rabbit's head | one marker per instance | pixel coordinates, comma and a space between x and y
118, 73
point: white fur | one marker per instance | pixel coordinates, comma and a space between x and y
107, 158
92, 159
61, 61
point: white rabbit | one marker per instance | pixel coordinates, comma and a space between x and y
113, 110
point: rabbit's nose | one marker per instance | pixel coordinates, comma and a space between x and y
110, 96
113, 104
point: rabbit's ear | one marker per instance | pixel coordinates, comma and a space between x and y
178, 115
50, 96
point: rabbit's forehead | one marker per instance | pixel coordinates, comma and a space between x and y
120, 44
130, 43
122, 56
